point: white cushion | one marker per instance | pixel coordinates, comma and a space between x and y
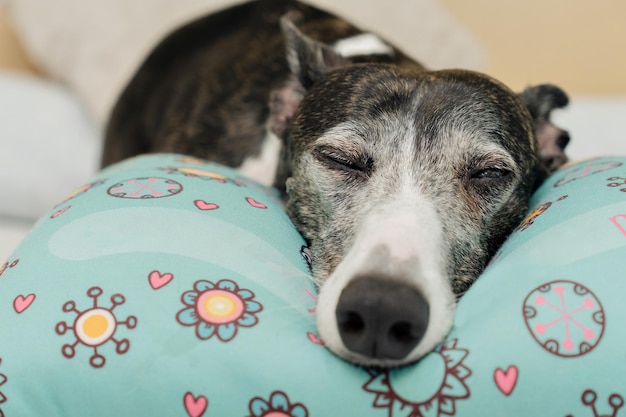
48, 145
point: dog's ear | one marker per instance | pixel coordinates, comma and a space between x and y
308, 59
552, 140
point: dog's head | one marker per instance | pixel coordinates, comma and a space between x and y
405, 183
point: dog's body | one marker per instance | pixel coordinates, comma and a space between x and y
205, 90
404, 181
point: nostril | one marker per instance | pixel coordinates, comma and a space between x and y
403, 333
350, 322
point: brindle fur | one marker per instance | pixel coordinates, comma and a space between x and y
204, 90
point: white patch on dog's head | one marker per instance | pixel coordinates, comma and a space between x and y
403, 240
400, 236
362, 44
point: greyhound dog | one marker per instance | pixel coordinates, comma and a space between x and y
403, 181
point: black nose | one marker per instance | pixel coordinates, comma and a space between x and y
380, 318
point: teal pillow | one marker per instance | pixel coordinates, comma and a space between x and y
170, 286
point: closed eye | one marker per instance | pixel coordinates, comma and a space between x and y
489, 173
339, 159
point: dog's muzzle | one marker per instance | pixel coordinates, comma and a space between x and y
389, 301
379, 318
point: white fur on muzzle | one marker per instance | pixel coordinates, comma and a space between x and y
400, 241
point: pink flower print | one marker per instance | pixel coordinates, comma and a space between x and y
218, 309
277, 406
142, 188
564, 317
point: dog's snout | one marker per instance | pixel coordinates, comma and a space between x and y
381, 319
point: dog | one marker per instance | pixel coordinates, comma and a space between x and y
403, 181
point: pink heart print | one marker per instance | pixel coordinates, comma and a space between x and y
158, 280
203, 205
21, 303
506, 380
255, 203
195, 406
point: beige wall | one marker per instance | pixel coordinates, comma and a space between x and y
577, 44
11, 55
